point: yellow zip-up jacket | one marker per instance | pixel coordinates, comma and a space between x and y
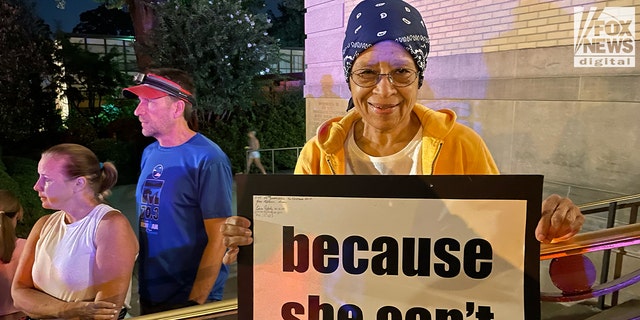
447, 146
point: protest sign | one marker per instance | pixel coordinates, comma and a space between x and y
390, 247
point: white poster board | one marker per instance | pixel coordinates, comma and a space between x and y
353, 256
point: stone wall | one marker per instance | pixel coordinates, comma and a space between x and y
506, 68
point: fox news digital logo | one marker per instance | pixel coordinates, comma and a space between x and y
604, 37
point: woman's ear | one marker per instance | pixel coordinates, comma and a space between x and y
81, 183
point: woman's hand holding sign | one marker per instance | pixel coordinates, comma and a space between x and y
561, 220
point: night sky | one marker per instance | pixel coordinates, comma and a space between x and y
69, 17
66, 18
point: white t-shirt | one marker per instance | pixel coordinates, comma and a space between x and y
405, 161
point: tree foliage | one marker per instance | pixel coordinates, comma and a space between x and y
98, 118
221, 44
105, 21
27, 86
288, 27
90, 80
144, 19
278, 117
19, 174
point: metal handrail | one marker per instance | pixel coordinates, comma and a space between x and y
593, 241
605, 239
608, 201
614, 239
211, 310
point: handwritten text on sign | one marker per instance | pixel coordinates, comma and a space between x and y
372, 258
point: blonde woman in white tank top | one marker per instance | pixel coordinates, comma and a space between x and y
77, 262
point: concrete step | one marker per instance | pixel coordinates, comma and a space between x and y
567, 311
587, 310
625, 311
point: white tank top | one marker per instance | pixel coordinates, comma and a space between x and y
66, 254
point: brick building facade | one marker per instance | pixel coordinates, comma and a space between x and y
507, 68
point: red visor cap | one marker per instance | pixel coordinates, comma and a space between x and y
144, 91
150, 91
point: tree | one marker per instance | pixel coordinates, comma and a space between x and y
221, 44
143, 17
288, 27
90, 79
278, 117
144, 20
105, 21
27, 83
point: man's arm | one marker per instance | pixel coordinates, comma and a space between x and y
210, 262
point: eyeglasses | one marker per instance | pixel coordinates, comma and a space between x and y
367, 78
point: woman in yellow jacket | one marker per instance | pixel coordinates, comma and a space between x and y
447, 147
386, 131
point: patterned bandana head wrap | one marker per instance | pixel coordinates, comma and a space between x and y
373, 21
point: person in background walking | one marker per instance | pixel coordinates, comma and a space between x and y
253, 153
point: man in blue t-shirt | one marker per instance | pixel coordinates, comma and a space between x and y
183, 197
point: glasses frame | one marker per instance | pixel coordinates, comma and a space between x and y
379, 78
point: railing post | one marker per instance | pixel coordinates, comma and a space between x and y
273, 162
633, 218
606, 256
246, 160
617, 273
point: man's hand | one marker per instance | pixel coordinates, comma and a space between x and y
561, 220
236, 233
